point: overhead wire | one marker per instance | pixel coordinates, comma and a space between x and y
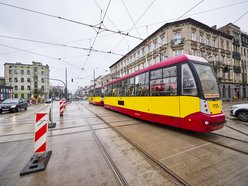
59, 59
97, 32
131, 17
241, 16
197, 13
63, 45
70, 20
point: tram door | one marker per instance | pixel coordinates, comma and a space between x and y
189, 102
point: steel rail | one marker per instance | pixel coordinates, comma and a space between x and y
106, 155
177, 178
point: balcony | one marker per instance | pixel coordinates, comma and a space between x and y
236, 55
194, 45
236, 42
177, 43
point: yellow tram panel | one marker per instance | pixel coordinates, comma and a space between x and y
189, 105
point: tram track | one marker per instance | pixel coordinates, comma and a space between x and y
147, 155
121, 179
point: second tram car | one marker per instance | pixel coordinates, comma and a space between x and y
96, 96
181, 91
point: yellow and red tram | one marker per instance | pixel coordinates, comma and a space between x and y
96, 96
181, 91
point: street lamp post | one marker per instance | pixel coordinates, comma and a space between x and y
65, 85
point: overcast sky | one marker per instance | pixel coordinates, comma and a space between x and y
38, 21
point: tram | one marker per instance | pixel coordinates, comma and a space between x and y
181, 91
96, 96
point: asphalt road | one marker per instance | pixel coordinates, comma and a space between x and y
85, 131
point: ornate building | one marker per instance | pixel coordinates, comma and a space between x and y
225, 49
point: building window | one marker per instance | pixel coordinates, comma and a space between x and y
10, 80
222, 44
22, 80
177, 38
28, 72
15, 71
42, 80
16, 95
201, 38
22, 87
42, 73
207, 40
15, 80
22, 95
16, 87
22, 72
193, 35
213, 43
28, 88
178, 52
162, 39
10, 71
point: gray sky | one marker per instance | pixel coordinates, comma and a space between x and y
148, 16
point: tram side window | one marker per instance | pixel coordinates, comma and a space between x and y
130, 87
170, 81
116, 88
122, 88
108, 90
142, 84
156, 83
188, 81
91, 93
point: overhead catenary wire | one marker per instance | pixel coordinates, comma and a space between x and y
63, 45
59, 59
241, 16
71, 20
101, 23
130, 17
197, 13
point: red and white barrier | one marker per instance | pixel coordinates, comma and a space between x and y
61, 107
40, 132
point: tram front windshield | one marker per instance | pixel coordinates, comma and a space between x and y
208, 81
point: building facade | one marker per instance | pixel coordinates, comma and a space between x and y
221, 48
28, 81
5, 92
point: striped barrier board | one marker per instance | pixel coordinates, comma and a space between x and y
40, 158
40, 132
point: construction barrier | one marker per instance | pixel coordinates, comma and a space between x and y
61, 107
51, 124
39, 160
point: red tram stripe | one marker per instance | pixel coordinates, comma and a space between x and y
40, 132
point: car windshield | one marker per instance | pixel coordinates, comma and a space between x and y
208, 81
10, 101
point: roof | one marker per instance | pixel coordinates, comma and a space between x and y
167, 62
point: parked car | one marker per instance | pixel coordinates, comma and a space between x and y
240, 111
13, 105
48, 100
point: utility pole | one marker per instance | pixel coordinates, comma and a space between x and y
66, 95
94, 79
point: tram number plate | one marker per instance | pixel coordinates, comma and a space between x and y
120, 102
215, 106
